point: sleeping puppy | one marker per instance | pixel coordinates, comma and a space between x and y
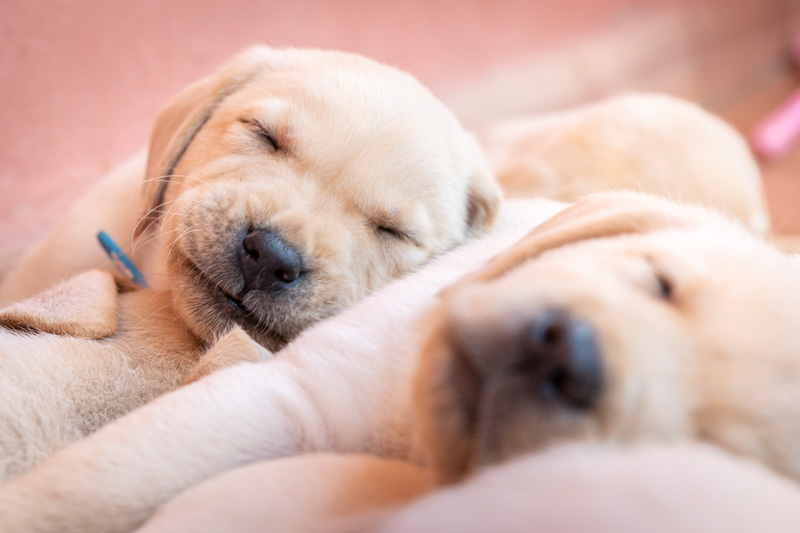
650, 143
278, 192
624, 319
281, 190
343, 384
646, 142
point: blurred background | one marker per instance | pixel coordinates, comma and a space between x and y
82, 80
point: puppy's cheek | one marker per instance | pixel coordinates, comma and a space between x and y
447, 393
195, 312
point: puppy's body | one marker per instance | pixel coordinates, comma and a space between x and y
342, 385
650, 488
652, 143
279, 191
668, 363
276, 193
58, 388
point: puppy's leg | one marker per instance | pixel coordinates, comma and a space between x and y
329, 390
233, 348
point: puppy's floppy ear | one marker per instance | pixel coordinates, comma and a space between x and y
83, 306
483, 193
183, 117
597, 216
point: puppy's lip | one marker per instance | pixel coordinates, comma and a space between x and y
235, 304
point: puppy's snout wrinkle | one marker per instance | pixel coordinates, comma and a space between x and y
268, 261
559, 354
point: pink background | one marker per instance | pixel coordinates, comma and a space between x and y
81, 80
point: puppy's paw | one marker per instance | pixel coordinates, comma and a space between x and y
234, 347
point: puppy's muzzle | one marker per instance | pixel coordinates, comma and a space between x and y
558, 355
550, 360
268, 262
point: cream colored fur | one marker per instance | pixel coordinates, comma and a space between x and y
687, 366
644, 142
353, 164
659, 489
63, 376
692, 368
295, 404
342, 385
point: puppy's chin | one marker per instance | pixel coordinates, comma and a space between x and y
210, 312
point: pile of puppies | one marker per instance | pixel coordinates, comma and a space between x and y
279, 194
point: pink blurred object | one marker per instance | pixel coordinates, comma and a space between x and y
781, 129
797, 48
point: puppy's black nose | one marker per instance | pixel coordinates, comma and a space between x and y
559, 354
268, 262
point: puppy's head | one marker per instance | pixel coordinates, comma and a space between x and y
622, 319
294, 182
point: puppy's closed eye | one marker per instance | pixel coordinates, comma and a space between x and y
663, 285
262, 132
389, 231
649, 275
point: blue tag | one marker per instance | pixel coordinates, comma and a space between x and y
120, 260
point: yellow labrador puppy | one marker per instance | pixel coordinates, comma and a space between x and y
342, 384
624, 319
651, 143
282, 189
646, 142
278, 191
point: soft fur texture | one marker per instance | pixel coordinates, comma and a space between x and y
62, 376
644, 142
681, 364
662, 288
653, 294
659, 489
350, 169
342, 385
84, 307
351, 165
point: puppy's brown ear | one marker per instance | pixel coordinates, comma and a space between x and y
183, 117
483, 194
597, 216
83, 306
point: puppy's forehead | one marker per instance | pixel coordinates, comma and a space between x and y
381, 92
687, 253
378, 113
376, 128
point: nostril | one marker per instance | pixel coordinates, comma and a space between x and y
287, 276
548, 329
562, 358
250, 250
553, 334
252, 254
